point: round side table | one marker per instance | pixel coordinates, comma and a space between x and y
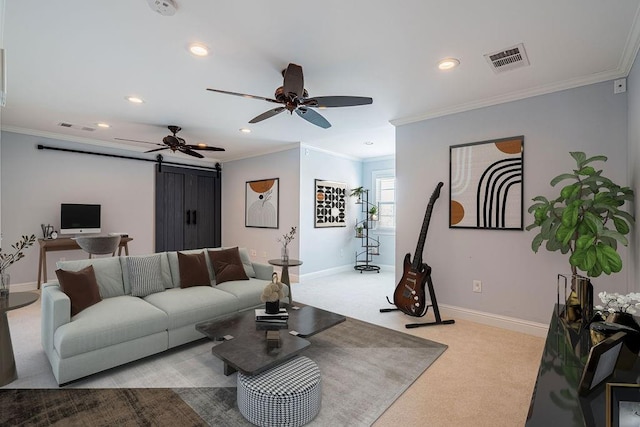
16, 300
285, 272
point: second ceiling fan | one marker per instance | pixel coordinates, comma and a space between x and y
294, 97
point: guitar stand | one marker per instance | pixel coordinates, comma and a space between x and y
434, 304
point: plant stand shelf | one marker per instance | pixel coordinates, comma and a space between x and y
369, 244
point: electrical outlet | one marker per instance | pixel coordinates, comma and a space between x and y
62, 259
477, 286
341, 253
264, 254
253, 252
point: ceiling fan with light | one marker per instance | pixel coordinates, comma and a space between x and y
175, 143
294, 97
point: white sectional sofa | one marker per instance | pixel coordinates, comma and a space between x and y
122, 328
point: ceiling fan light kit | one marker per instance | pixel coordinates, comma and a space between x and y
294, 97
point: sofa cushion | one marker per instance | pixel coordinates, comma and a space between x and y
108, 273
111, 321
145, 275
174, 266
227, 265
192, 305
193, 270
246, 260
165, 272
248, 292
81, 287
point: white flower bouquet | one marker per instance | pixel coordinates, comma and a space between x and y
617, 303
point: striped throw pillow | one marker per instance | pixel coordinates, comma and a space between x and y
144, 275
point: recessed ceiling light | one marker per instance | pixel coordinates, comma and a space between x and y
134, 99
368, 143
198, 49
103, 125
245, 130
448, 63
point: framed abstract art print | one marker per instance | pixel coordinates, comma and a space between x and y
262, 203
486, 184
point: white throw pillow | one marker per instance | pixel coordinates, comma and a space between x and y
144, 275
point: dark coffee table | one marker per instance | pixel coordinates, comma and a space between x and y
244, 347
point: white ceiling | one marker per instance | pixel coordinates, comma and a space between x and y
75, 61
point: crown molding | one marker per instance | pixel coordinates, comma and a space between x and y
286, 147
516, 96
331, 153
379, 158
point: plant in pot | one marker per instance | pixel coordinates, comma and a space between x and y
373, 213
357, 192
359, 229
7, 259
586, 220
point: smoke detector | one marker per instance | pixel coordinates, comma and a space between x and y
163, 7
508, 59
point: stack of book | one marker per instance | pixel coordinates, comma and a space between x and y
281, 318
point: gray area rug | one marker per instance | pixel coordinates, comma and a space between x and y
364, 368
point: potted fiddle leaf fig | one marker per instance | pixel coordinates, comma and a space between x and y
587, 219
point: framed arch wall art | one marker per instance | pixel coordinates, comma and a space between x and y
262, 203
486, 182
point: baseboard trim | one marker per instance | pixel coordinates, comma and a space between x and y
24, 287
504, 322
340, 269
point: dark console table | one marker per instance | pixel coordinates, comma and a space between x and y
555, 400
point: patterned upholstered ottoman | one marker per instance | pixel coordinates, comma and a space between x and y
287, 395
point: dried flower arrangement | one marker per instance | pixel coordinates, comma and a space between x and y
287, 238
273, 291
7, 259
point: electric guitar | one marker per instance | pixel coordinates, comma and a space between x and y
409, 296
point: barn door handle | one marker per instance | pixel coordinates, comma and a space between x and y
188, 217
194, 217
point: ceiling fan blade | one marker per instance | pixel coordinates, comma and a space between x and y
186, 150
267, 114
294, 80
157, 149
135, 140
337, 101
313, 117
203, 147
244, 95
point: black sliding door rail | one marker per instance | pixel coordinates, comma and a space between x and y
159, 159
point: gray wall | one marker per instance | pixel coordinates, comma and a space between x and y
326, 248
516, 282
35, 182
633, 95
284, 165
387, 240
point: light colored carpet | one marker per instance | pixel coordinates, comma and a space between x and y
485, 378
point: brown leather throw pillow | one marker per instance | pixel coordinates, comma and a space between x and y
193, 270
227, 265
81, 287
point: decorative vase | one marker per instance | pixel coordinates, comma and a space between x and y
272, 307
625, 319
285, 253
4, 285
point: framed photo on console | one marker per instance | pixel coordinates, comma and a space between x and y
623, 404
601, 363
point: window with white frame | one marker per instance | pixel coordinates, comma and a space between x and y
385, 197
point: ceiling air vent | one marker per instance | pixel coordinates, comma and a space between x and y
72, 126
508, 59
